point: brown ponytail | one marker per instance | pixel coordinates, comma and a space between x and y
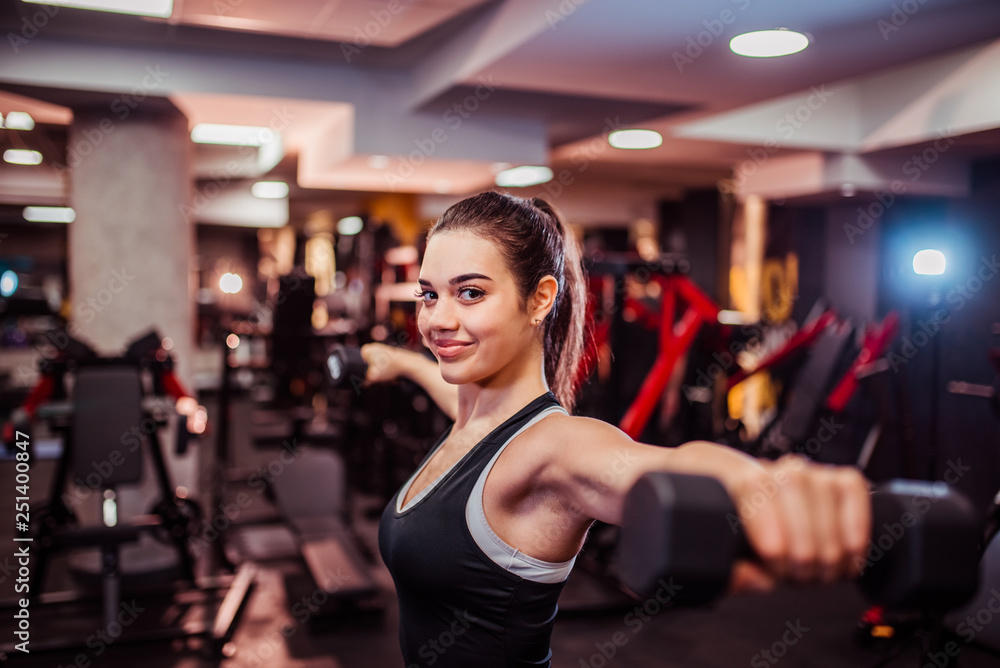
534, 243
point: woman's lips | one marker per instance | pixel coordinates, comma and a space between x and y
450, 348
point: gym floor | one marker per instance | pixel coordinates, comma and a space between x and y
794, 627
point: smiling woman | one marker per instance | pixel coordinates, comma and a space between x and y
481, 538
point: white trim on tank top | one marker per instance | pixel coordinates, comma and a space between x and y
506, 556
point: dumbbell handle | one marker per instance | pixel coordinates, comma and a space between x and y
685, 532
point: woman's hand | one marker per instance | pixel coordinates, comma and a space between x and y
385, 363
389, 363
807, 522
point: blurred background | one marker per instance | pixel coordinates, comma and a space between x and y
787, 253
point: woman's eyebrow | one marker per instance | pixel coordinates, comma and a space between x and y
459, 279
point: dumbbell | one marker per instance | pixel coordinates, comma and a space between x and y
344, 365
682, 532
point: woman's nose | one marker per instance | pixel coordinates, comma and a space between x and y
441, 316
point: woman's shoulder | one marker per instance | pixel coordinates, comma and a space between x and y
559, 433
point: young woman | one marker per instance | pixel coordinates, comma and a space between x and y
482, 537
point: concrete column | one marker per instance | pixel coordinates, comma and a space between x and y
132, 244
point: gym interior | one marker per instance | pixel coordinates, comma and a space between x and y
207, 207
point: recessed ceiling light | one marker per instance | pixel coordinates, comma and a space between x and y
231, 135
768, 43
49, 214
525, 175
159, 8
20, 156
350, 225
19, 120
269, 189
635, 139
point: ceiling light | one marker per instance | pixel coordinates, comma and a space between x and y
159, 8
768, 43
49, 214
929, 262
20, 156
19, 120
635, 139
231, 135
269, 189
525, 175
350, 225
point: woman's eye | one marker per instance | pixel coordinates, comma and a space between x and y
425, 295
471, 293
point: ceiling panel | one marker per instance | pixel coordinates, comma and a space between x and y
357, 22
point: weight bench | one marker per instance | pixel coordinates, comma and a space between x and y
311, 494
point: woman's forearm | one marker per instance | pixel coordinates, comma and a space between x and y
388, 363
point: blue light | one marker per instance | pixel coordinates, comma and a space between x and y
929, 262
8, 283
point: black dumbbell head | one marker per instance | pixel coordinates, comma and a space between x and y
678, 527
924, 552
344, 364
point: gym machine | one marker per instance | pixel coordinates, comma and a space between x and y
110, 417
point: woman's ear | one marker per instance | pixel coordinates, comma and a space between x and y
544, 299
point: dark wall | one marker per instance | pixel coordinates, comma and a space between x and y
954, 437
800, 230
691, 227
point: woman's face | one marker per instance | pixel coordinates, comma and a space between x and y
469, 312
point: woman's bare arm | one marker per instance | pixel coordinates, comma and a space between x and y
387, 363
806, 521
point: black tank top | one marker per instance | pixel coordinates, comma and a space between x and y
457, 608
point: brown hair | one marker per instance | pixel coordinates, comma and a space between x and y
534, 243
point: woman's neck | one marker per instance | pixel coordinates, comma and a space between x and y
493, 400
